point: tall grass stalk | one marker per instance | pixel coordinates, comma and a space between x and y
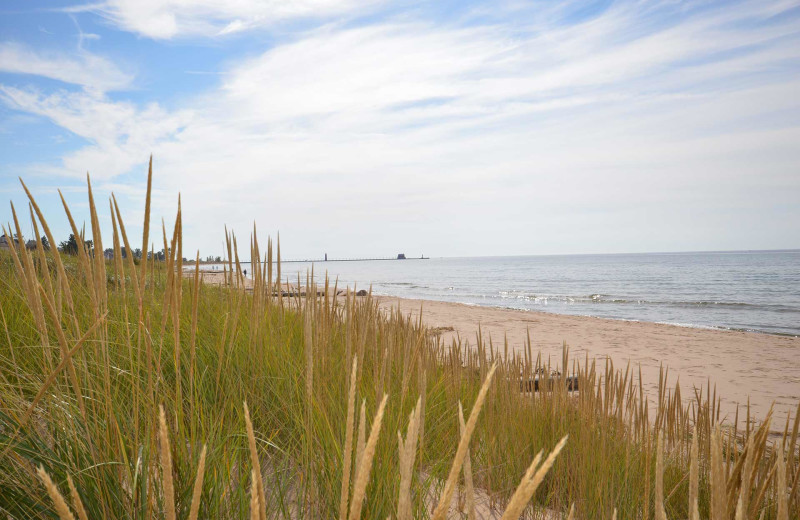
62, 509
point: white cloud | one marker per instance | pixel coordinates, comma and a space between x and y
117, 131
434, 136
165, 19
80, 68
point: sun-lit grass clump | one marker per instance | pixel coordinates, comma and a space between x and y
130, 391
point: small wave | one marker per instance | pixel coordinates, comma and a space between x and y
558, 298
694, 325
597, 298
515, 303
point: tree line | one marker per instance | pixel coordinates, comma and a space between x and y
70, 247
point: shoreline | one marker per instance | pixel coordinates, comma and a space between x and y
556, 313
763, 367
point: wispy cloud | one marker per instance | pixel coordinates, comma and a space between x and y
117, 131
78, 68
165, 19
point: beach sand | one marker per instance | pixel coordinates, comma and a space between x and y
764, 367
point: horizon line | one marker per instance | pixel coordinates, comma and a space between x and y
720, 251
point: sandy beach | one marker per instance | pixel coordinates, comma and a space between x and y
764, 367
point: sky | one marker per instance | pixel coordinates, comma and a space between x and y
447, 128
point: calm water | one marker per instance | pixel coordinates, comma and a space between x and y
758, 291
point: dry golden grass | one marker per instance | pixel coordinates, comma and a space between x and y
469, 486
198, 486
258, 483
407, 455
166, 466
62, 509
531, 481
76, 500
365, 464
463, 446
348, 443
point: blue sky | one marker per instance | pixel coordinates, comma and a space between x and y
444, 128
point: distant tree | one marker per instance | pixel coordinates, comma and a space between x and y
69, 246
137, 253
45, 244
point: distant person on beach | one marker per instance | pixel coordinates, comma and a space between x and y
245, 272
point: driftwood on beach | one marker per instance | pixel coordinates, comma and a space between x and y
286, 290
302, 293
532, 384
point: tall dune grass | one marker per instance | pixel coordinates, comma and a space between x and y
123, 391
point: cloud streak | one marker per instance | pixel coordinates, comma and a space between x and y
167, 19
81, 68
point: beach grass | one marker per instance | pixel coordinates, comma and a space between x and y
133, 391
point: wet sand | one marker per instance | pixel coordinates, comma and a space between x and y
764, 367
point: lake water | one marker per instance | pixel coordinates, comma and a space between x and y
748, 290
